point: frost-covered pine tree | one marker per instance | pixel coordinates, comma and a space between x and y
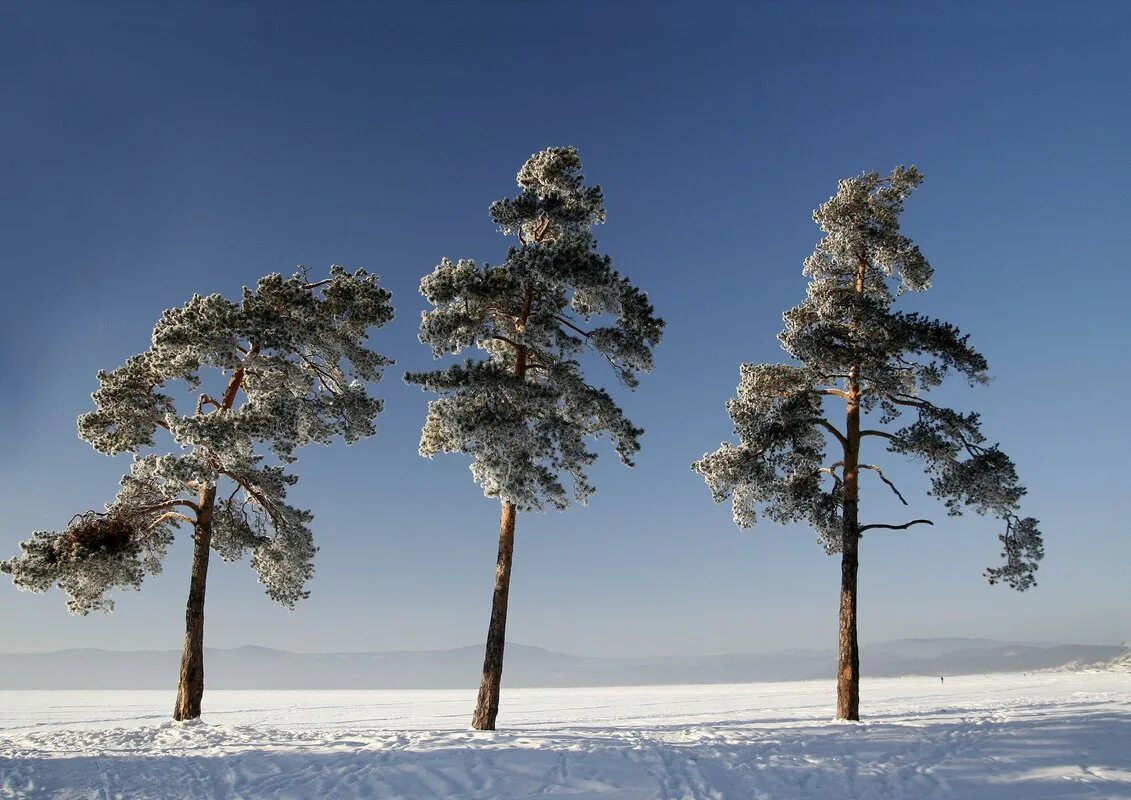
525, 411
288, 359
855, 352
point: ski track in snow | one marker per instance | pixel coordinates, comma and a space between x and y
997, 737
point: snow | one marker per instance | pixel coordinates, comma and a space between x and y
1006, 737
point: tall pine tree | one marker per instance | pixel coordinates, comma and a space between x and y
855, 352
288, 361
524, 412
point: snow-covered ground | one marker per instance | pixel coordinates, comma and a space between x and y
997, 737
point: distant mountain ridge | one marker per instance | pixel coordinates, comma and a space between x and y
253, 667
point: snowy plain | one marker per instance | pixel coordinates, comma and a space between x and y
989, 737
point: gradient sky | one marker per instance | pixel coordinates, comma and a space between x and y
151, 151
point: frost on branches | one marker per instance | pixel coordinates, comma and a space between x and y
293, 356
524, 412
851, 345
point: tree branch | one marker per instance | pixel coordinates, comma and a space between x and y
831, 471
883, 478
316, 284
506, 339
170, 515
824, 423
874, 432
236, 381
571, 326
905, 526
322, 374
206, 399
264, 503
168, 505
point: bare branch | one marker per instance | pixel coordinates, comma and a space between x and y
206, 399
905, 526
824, 423
170, 515
874, 432
831, 471
883, 478
168, 505
316, 284
571, 326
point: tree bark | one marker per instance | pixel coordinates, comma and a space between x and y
487, 704
848, 671
190, 689
848, 666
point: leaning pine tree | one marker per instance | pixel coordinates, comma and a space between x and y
292, 357
524, 412
853, 349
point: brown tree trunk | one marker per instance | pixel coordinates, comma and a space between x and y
848, 671
848, 667
487, 704
190, 689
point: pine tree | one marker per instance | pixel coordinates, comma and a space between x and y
852, 347
524, 412
291, 355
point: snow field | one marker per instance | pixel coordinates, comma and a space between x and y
997, 737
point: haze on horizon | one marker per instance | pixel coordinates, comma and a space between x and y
161, 152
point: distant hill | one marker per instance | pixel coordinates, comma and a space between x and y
265, 668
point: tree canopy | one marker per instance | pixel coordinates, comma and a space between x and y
847, 338
525, 411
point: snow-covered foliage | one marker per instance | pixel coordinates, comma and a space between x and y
294, 358
847, 339
525, 411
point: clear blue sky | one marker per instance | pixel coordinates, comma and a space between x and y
151, 151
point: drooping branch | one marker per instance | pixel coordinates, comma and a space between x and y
266, 504
322, 374
883, 478
902, 527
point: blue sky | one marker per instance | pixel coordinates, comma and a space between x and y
152, 151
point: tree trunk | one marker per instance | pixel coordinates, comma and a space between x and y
848, 667
487, 704
190, 689
848, 672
